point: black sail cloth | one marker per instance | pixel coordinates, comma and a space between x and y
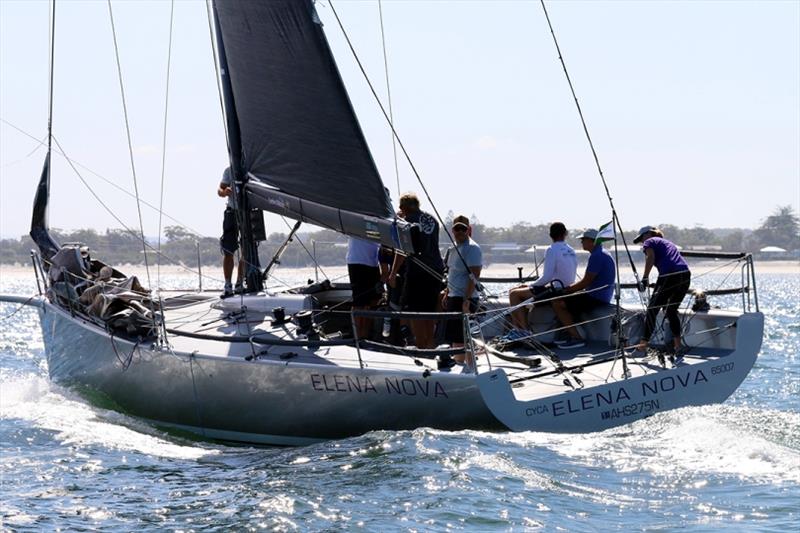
299, 133
39, 228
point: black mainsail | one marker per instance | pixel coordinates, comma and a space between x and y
303, 153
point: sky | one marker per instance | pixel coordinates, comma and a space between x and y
694, 109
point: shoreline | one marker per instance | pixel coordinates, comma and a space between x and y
339, 271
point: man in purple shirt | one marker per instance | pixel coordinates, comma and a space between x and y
672, 284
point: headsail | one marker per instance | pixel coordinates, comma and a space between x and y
302, 144
39, 228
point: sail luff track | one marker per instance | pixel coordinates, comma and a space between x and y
238, 163
39, 230
299, 132
39, 226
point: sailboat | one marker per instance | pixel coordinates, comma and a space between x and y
268, 368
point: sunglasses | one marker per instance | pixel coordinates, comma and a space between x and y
459, 228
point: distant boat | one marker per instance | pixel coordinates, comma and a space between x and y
284, 368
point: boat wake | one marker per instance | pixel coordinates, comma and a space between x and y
39, 404
739, 441
759, 445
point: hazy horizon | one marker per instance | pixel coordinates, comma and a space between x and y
307, 229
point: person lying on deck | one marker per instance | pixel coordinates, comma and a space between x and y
598, 284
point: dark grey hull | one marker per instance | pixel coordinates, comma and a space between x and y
266, 402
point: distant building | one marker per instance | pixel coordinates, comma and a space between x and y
706, 247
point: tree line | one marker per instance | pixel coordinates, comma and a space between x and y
179, 246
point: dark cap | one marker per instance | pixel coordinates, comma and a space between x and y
461, 220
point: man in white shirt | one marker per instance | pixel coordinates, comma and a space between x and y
560, 267
363, 269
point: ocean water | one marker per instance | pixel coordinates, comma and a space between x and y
68, 465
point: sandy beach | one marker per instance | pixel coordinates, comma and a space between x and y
212, 274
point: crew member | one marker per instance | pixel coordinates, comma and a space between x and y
560, 268
671, 286
423, 270
597, 284
464, 263
229, 241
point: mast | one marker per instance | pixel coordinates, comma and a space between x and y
50, 87
248, 246
39, 227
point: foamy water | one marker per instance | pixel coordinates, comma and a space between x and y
72, 465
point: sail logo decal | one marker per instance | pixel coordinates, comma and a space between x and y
365, 385
372, 231
277, 202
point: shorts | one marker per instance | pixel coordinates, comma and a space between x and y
364, 283
582, 303
395, 294
421, 292
229, 242
454, 328
541, 292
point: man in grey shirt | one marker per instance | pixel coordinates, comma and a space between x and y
464, 263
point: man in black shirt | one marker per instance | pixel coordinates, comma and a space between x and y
422, 271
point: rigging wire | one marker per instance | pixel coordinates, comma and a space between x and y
164, 138
29, 154
18, 309
388, 119
615, 218
51, 138
101, 177
617, 224
478, 285
119, 220
130, 142
389, 96
300, 242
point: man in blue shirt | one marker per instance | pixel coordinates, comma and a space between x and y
597, 284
